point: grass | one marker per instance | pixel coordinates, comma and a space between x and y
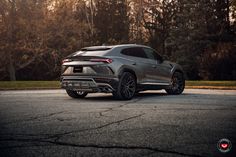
4, 85
226, 85
211, 83
20, 85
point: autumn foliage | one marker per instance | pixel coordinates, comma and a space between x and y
35, 35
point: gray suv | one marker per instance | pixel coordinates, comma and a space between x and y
122, 70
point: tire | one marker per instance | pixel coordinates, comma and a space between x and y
126, 87
177, 84
76, 94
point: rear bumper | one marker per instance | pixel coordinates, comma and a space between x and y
89, 84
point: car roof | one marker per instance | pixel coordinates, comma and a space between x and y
108, 47
103, 50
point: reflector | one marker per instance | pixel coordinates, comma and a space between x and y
105, 60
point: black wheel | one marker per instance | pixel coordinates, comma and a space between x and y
177, 84
76, 94
126, 87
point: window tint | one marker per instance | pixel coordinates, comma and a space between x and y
151, 54
135, 52
96, 49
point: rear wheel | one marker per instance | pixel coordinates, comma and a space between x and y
126, 87
76, 94
177, 84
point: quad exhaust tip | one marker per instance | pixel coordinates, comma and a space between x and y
105, 89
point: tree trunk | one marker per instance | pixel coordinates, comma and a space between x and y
11, 67
227, 16
11, 70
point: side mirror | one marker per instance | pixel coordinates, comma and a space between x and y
165, 57
161, 59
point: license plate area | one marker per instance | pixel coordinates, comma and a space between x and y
79, 84
78, 69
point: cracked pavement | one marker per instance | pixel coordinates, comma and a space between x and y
49, 123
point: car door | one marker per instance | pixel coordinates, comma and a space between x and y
161, 72
141, 63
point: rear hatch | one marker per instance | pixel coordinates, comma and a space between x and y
90, 60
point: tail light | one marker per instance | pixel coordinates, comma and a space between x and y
104, 60
66, 60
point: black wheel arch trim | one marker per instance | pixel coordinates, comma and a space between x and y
126, 69
180, 71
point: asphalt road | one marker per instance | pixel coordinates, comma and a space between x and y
49, 123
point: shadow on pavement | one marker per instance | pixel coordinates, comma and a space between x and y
109, 97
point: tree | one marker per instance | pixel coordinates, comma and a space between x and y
136, 26
187, 36
217, 60
158, 19
19, 33
35, 35
111, 21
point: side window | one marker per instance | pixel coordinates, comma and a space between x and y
135, 52
151, 54
159, 58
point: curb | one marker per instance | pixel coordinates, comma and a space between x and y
211, 87
186, 87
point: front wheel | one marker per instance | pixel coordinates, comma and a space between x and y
177, 84
126, 87
76, 94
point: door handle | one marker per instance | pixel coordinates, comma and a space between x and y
154, 66
134, 63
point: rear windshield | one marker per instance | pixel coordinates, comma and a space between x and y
91, 52
95, 49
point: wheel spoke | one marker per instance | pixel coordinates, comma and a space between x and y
80, 92
128, 86
177, 83
126, 92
